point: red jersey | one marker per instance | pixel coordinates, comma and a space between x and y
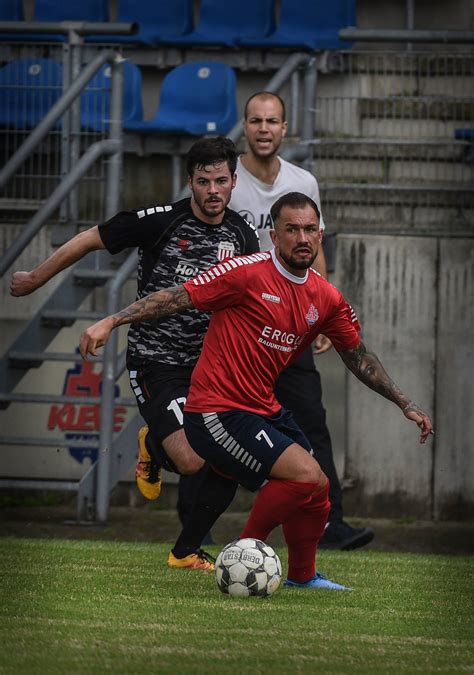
263, 318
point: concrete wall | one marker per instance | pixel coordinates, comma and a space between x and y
413, 296
438, 15
453, 470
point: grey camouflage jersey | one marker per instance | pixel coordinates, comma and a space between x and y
174, 246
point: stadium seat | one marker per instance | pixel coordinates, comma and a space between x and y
28, 89
61, 10
464, 134
157, 20
10, 10
195, 98
95, 99
223, 23
310, 24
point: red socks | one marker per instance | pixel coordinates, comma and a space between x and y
303, 514
302, 534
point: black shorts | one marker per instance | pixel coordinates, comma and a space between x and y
161, 392
242, 445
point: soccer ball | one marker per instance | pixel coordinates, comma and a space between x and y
248, 567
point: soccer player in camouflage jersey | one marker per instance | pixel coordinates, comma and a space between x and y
176, 242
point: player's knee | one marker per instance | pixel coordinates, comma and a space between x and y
181, 453
314, 474
189, 464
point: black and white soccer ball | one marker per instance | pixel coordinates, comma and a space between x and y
248, 567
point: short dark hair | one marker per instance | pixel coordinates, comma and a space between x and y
295, 200
265, 95
208, 151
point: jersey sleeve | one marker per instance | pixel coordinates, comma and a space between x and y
128, 229
252, 240
219, 287
342, 326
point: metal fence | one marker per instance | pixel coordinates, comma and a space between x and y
26, 102
389, 133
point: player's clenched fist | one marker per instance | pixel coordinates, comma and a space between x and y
95, 336
21, 284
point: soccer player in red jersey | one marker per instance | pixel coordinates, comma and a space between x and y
267, 308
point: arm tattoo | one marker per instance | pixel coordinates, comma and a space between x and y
367, 368
155, 306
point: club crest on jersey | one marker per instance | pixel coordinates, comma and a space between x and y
226, 249
313, 315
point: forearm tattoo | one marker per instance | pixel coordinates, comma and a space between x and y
155, 306
366, 366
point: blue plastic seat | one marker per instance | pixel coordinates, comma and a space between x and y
64, 10
28, 89
95, 99
10, 10
195, 98
225, 22
71, 10
157, 20
309, 24
464, 134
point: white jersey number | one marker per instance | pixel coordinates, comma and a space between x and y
263, 434
175, 406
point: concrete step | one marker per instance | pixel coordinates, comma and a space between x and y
395, 172
97, 277
6, 398
416, 208
413, 194
66, 317
425, 63
9, 204
53, 485
416, 108
396, 217
414, 129
394, 148
32, 441
30, 359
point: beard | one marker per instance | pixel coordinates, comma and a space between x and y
206, 207
296, 264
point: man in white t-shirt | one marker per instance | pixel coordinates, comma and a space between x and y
262, 178
258, 195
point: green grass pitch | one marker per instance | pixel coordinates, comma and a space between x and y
95, 607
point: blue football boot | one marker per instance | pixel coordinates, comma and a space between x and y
318, 581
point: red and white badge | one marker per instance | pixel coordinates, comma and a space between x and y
226, 249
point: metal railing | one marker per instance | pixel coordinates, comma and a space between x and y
386, 126
407, 35
111, 147
59, 150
